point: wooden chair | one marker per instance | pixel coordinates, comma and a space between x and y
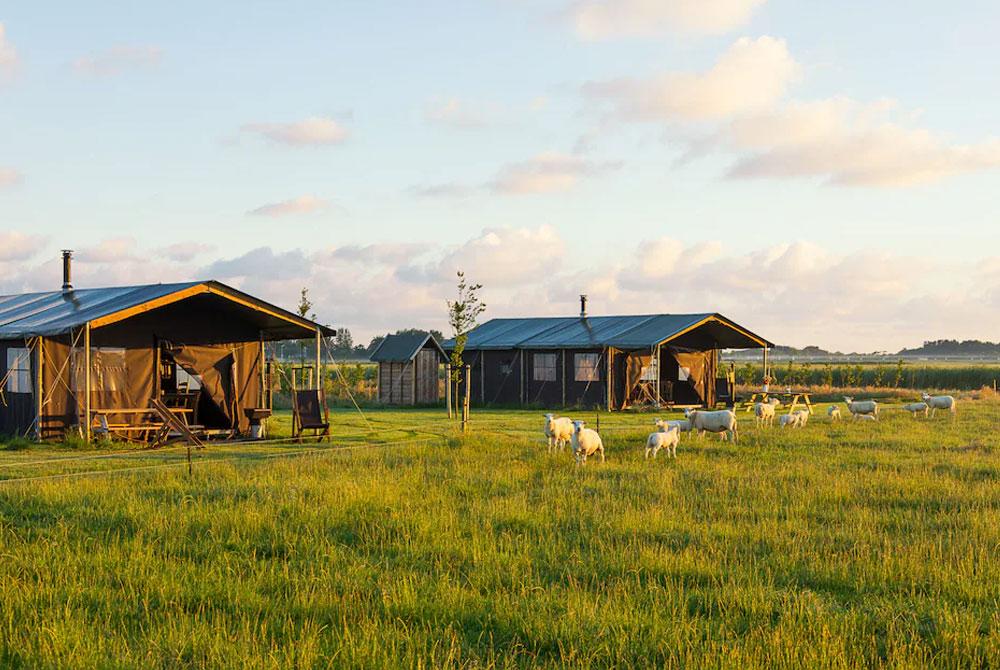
309, 412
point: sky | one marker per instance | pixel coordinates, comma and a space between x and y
823, 173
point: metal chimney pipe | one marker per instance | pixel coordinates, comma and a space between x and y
583, 306
67, 256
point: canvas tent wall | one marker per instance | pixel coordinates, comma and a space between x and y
408, 369
128, 339
604, 361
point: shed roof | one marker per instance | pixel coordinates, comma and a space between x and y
620, 332
403, 347
58, 312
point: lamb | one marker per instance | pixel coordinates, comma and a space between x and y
936, 402
559, 431
586, 442
722, 421
792, 420
764, 413
865, 417
861, 407
663, 440
915, 408
833, 411
803, 415
682, 425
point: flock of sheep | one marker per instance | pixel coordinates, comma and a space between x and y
585, 442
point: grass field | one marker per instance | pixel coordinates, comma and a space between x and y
838, 545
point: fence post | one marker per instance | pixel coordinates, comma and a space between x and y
465, 402
447, 388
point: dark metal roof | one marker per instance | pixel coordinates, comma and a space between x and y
403, 347
58, 312
620, 332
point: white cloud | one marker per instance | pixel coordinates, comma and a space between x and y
795, 293
118, 59
546, 173
458, 113
739, 108
306, 204
8, 54
313, 131
848, 143
10, 177
17, 246
607, 19
443, 190
186, 251
751, 75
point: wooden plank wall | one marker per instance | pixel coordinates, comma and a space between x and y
395, 383
428, 363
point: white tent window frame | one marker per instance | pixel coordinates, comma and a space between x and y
18, 370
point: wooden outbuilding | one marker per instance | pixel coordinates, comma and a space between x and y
408, 369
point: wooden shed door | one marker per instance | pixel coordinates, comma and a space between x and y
427, 376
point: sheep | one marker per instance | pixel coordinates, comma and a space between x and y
764, 413
833, 411
586, 442
915, 408
861, 407
803, 415
791, 420
722, 421
663, 440
682, 425
559, 432
936, 402
865, 417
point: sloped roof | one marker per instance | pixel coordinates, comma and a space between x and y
620, 332
403, 347
58, 312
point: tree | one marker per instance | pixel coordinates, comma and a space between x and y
305, 305
343, 341
463, 316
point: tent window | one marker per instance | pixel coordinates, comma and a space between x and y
586, 367
648, 373
18, 370
108, 371
543, 367
683, 374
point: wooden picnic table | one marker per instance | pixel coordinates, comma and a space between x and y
795, 397
143, 429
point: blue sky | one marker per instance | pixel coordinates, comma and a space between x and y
276, 142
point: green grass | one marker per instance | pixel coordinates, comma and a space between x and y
838, 545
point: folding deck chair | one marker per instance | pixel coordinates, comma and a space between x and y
309, 412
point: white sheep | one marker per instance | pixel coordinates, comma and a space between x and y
833, 411
586, 442
861, 407
936, 402
865, 417
803, 415
764, 413
559, 431
915, 408
663, 440
721, 421
682, 425
791, 420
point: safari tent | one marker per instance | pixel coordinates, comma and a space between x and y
408, 369
71, 357
612, 362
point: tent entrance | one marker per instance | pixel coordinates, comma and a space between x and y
207, 372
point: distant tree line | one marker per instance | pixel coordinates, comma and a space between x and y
954, 348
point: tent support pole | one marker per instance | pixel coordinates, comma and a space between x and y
656, 353
609, 363
562, 375
520, 353
319, 359
86, 383
765, 362
39, 388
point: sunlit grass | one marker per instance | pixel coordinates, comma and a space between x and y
838, 545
